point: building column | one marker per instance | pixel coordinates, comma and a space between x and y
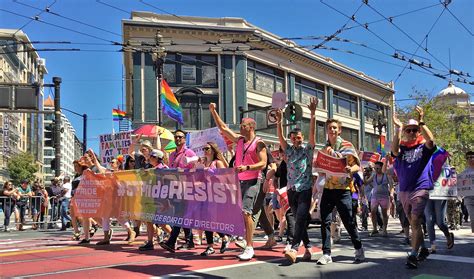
290, 91
151, 94
226, 111
388, 114
362, 123
240, 85
329, 102
137, 88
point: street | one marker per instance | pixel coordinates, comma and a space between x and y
52, 254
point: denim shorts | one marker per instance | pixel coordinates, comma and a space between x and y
250, 190
376, 201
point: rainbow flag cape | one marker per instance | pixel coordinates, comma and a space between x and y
118, 114
437, 159
169, 104
381, 146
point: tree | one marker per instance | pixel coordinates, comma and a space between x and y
450, 125
22, 166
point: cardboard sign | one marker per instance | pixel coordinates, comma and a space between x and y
112, 145
445, 186
197, 140
330, 165
278, 100
465, 183
366, 157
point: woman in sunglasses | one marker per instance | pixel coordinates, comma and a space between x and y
214, 159
9, 203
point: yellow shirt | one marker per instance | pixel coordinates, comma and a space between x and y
341, 183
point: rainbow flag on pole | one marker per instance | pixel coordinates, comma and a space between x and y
381, 146
118, 114
169, 103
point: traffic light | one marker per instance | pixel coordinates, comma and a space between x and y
293, 112
49, 135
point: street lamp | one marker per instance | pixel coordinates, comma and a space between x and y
158, 54
379, 122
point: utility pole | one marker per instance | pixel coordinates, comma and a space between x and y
158, 54
84, 133
57, 125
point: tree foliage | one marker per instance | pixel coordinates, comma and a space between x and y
450, 125
22, 166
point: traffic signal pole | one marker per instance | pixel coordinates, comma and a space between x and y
57, 125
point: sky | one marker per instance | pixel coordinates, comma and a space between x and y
92, 77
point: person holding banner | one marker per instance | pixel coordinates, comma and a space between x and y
182, 158
250, 160
415, 170
466, 186
337, 191
300, 180
214, 159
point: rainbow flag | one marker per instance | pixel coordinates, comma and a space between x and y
381, 146
169, 104
118, 114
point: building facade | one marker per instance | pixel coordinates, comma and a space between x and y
68, 144
239, 66
20, 132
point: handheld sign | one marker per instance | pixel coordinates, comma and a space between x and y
278, 100
112, 145
330, 165
465, 183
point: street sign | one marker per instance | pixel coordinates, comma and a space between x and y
278, 100
272, 116
293, 112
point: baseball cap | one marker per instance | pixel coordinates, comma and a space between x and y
411, 123
157, 154
25, 181
146, 143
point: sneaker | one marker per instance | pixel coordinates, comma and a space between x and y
224, 246
186, 246
423, 254
450, 242
93, 230
247, 254
278, 239
287, 248
209, 251
6, 229
76, 236
148, 246
85, 241
308, 253
265, 237
269, 244
412, 262
324, 260
103, 242
131, 237
241, 243
374, 233
291, 255
167, 247
359, 255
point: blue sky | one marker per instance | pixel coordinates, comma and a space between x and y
92, 80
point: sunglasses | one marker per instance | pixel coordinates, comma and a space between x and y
206, 148
411, 130
178, 137
131, 161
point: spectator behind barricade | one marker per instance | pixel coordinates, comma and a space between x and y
9, 195
40, 197
54, 192
25, 193
64, 200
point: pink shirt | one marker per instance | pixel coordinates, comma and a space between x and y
246, 154
178, 158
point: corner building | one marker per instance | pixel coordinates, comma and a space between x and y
235, 64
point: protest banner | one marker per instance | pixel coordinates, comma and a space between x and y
465, 183
200, 199
197, 140
112, 145
330, 165
444, 187
368, 157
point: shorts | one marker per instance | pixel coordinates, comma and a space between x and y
414, 203
268, 198
275, 203
250, 190
375, 202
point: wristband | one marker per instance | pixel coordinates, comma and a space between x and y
421, 123
248, 167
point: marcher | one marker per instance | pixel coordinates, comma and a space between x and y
250, 160
414, 170
337, 192
300, 182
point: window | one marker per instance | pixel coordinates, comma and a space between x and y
264, 79
259, 114
351, 135
371, 142
321, 136
190, 69
305, 89
371, 109
345, 104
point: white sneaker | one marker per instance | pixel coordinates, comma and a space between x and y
287, 248
265, 237
247, 254
241, 243
359, 255
324, 260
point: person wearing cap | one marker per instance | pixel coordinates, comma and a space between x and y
25, 193
414, 169
181, 158
64, 201
250, 160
